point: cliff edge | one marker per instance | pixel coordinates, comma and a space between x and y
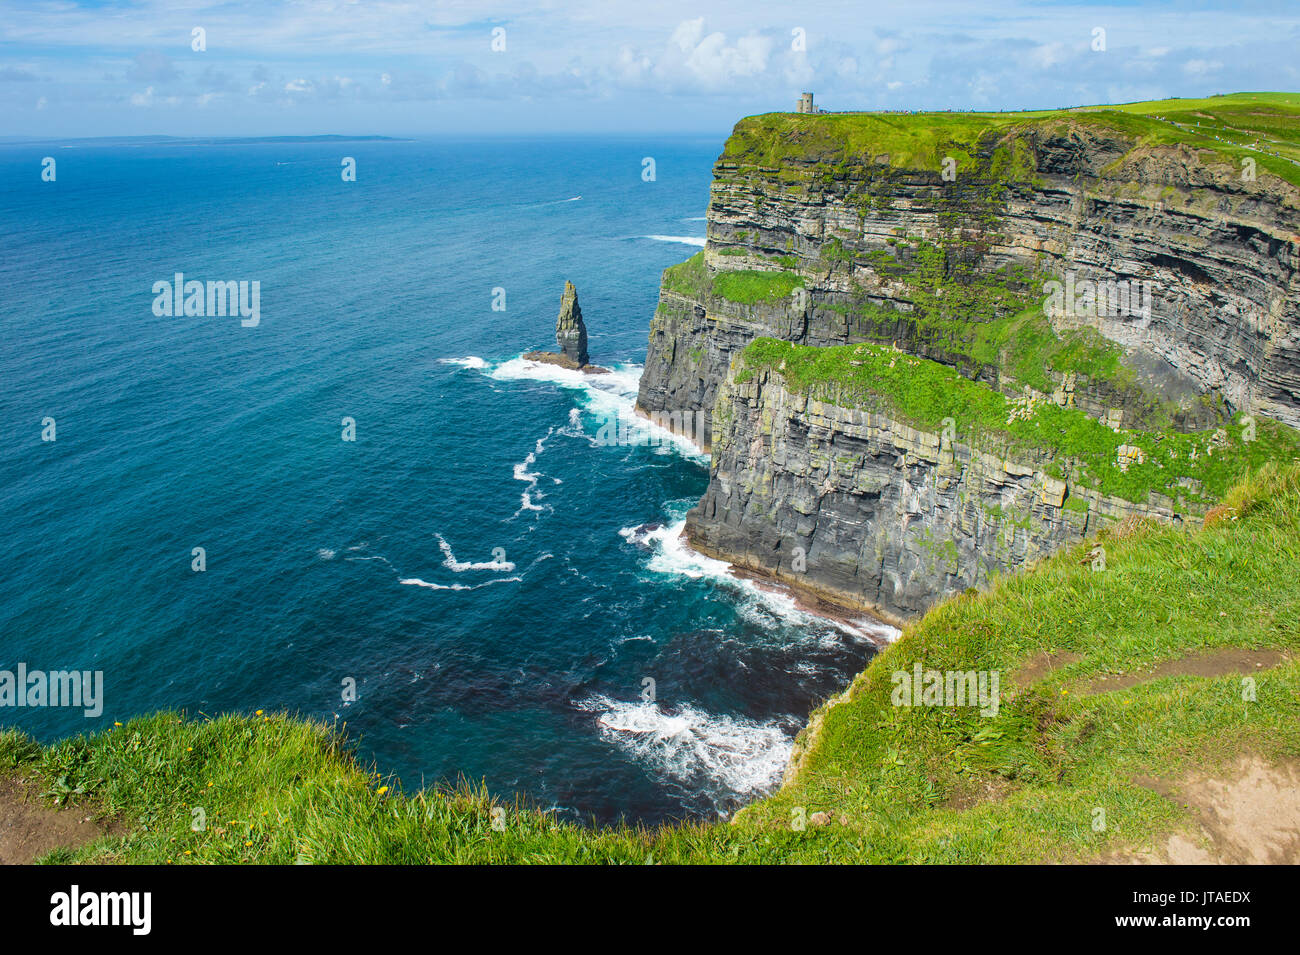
1101, 300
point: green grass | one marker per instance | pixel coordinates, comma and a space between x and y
922, 393
282, 790
923, 140
743, 286
749, 287
689, 278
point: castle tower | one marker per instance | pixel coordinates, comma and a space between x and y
806, 103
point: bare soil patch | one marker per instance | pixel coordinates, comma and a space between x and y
29, 828
1040, 665
1250, 815
1205, 663
988, 790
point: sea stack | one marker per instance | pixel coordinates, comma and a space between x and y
571, 336
570, 332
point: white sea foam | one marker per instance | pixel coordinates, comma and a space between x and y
417, 582
470, 361
689, 746
684, 239
449, 561
325, 554
611, 399
521, 473
673, 556
459, 566
623, 379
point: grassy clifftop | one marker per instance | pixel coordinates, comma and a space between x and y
1263, 125
1109, 679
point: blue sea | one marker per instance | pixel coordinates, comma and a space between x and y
507, 594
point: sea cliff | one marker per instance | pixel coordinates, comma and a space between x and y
1110, 291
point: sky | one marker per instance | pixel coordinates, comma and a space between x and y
71, 68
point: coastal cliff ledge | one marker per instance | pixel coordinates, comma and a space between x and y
1102, 301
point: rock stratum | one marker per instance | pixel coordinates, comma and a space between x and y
927, 348
570, 336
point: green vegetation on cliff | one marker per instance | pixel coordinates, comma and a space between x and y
743, 286
1224, 126
689, 278
749, 287
896, 783
988, 324
1197, 467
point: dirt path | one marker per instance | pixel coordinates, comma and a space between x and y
29, 828
1204, 663
1250, 815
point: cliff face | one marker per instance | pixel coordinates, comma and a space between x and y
834, 230
872, 512
1219, 256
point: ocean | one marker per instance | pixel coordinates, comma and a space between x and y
476, 586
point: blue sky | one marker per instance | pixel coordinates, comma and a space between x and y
128, 67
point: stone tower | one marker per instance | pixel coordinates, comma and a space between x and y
570, 332
806, 103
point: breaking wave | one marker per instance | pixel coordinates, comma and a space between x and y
673, 556
697, 241
417, 582
696, 749
450, 561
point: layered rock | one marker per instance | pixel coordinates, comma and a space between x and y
570, 331
570, 336
1220, 256
862, 509
855, 504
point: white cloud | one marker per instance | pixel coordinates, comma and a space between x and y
661, 64
149, 98
1047, 56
